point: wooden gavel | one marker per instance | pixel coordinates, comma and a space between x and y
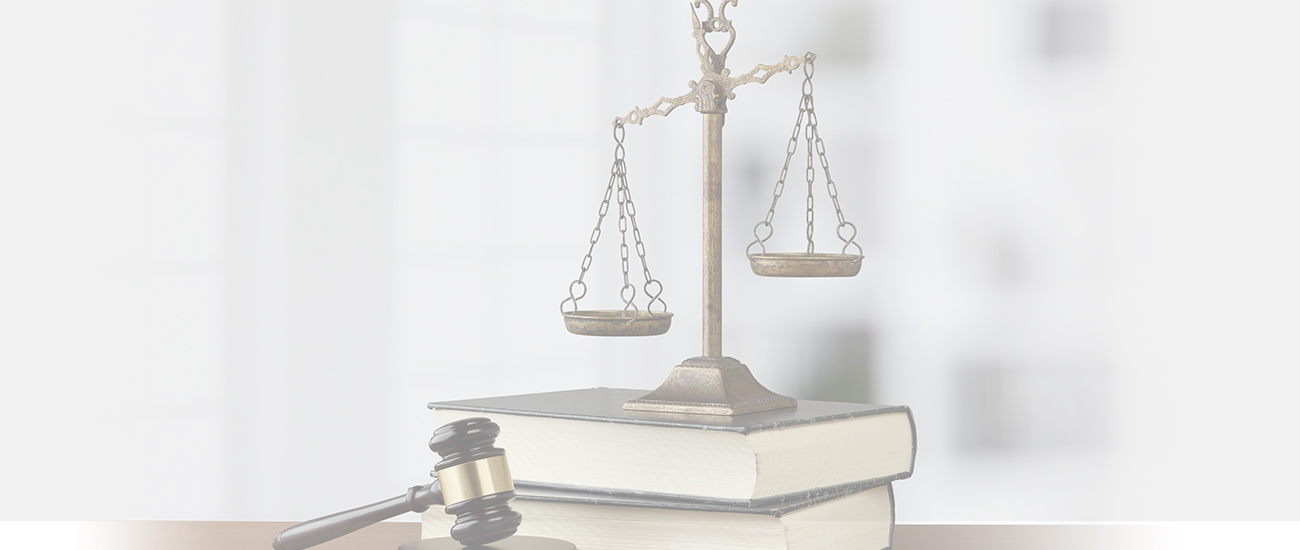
473, 482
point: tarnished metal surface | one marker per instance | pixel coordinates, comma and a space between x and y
662, 107
799, 264
614, 322
712, 290
710, 385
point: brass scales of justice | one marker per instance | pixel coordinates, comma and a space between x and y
712, 384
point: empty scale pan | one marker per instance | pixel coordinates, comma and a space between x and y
797, 264
810, 263
630, 320
617, 322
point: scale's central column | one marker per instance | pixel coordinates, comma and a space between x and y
713, 234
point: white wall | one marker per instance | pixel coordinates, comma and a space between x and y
245, 242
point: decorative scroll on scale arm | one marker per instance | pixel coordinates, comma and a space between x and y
716, 85
787, 65
638, 115
665, 105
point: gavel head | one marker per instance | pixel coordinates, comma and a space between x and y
475, 481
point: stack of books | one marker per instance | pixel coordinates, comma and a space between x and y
818, 476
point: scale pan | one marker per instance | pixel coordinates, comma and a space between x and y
801, 264
616, 322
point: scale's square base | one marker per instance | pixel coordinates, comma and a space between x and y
715, 386
512, 543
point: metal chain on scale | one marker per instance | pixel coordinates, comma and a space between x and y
618, 190
806, 121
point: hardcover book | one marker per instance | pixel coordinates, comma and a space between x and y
859, 518
584, 440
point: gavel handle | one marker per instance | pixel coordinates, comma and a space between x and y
323, 529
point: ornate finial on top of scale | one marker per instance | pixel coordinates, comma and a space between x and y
710, 60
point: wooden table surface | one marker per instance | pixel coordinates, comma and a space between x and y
236, 535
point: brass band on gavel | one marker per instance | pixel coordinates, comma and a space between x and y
482, 477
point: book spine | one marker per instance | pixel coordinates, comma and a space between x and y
893, 519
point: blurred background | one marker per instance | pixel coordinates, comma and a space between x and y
243, 243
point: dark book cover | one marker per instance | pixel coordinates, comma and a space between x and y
771, 507
606, 405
